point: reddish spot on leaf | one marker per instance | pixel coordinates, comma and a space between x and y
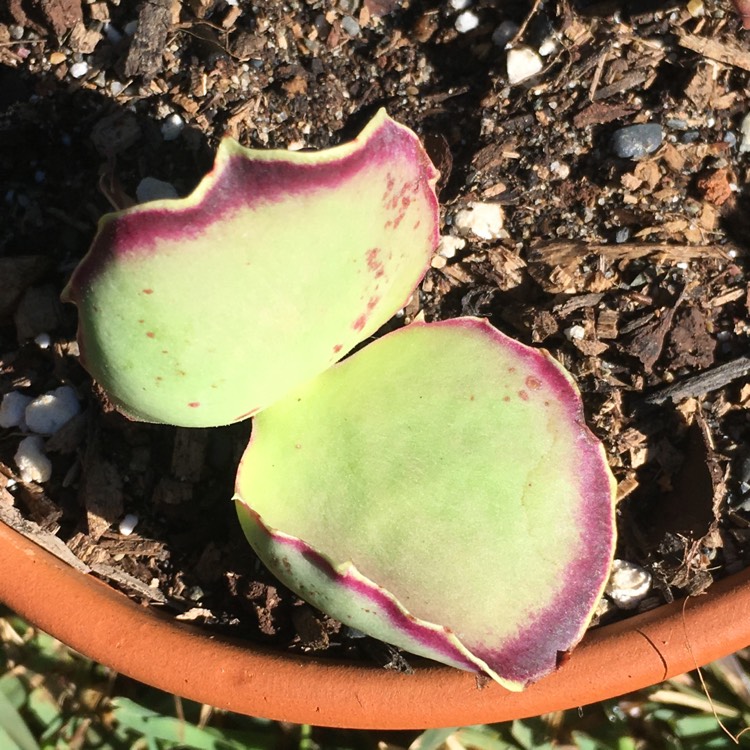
374, 263
336, 348
511, 369
194, 404
150, 334
417, 223
523, 395
359, 323
506, 398
148, 291
533, 383
372, 302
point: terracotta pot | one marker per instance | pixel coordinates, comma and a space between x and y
106, 626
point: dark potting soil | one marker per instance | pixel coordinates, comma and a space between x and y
632, 273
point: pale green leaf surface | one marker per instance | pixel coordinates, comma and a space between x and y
14, 733
202, 311
438, 490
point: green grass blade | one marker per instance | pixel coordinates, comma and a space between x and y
13, 730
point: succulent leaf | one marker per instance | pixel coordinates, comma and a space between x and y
438, 490
202, 311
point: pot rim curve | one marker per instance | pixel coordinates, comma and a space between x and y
106, 626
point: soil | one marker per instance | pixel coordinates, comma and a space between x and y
632, 273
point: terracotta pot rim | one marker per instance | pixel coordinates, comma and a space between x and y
106, 626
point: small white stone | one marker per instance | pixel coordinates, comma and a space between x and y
46, 414
171, 127
483, 220
547, 47
128, 524
43, 341
561, 169
504, 33
13, 409
522, 63
745, 133
575, 332
628, 584
31, 461
467, 21
151, 189
449, 245
79, 69
460, 4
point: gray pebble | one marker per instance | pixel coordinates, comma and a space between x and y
637, 141
677, 123
622, 235
744, 473
350, 26
151, 189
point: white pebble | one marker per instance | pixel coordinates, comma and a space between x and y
575, 332
79, 69
43, 341
484, 220
628, 584
128, 524
449, 245
13, 409
467, 21
151, 189
547, 47
31, 461
171, 127
745, 132
46, 414
460, 4
522, 63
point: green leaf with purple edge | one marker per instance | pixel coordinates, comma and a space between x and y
202, 311
438, 490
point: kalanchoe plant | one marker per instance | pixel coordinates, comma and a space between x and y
202, 311
438, 489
